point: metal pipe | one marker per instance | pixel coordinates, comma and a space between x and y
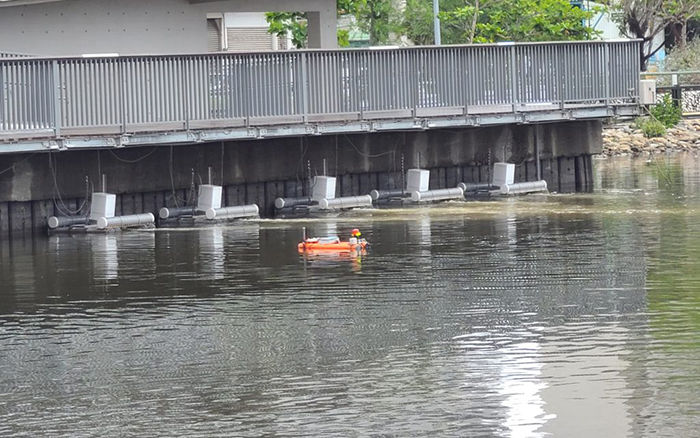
345, 202
237, 211
292, 202
524, 187
438, 195
436, 21
66, 221
385, 194
475, 187
167, 212
130, 220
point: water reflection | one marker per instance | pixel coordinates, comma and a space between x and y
105, 256
566, 315
211, 253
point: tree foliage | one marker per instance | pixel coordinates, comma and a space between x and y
294, 24
498, 20
646, 19
378, 18
679, 12
462, 21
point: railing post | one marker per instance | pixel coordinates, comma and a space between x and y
362, 85
57, 114
608, 73
304, 88
122, 93
248, 92
415, 81
514, 77
184, 66
2, 100
560, 78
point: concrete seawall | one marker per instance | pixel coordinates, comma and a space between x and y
34, 187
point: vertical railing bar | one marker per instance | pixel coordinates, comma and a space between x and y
248, 84
558, 75
33, 72
12, 94
3, 126
184, 64
3, 110
103, 101
91, 94
157, 74
68, 97
514, 77
31, 85
30, 73
201, 92
98, 95
56, 87
136, 77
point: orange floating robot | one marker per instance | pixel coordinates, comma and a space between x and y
333, 243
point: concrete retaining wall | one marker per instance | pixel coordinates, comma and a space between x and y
33, 187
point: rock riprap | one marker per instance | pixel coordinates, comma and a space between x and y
625, 139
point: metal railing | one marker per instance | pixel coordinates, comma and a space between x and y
71, 96
682, 86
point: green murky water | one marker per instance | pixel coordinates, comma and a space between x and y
571, 315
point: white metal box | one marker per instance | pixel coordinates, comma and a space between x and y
102, 205
647, 92
417, 180
324, 188
503, 173
209, 197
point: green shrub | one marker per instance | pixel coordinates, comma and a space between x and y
652, 128
666, 112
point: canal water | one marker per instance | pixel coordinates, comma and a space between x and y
564, 315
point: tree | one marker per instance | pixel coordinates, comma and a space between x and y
376, 17
294, 24
484, 21
679, 12
646, 19
417, 22
642, 19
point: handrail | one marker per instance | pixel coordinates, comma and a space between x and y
669, 73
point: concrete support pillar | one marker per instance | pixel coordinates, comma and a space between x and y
322, 29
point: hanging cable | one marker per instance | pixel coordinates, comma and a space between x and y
172, 180
60, 205
381, 154
123, 160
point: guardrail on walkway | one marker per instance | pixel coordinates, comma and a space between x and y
683, 86
69, 96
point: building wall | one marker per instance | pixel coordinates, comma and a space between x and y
73, 27
248, 31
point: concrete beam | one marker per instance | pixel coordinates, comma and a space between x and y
147, 170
